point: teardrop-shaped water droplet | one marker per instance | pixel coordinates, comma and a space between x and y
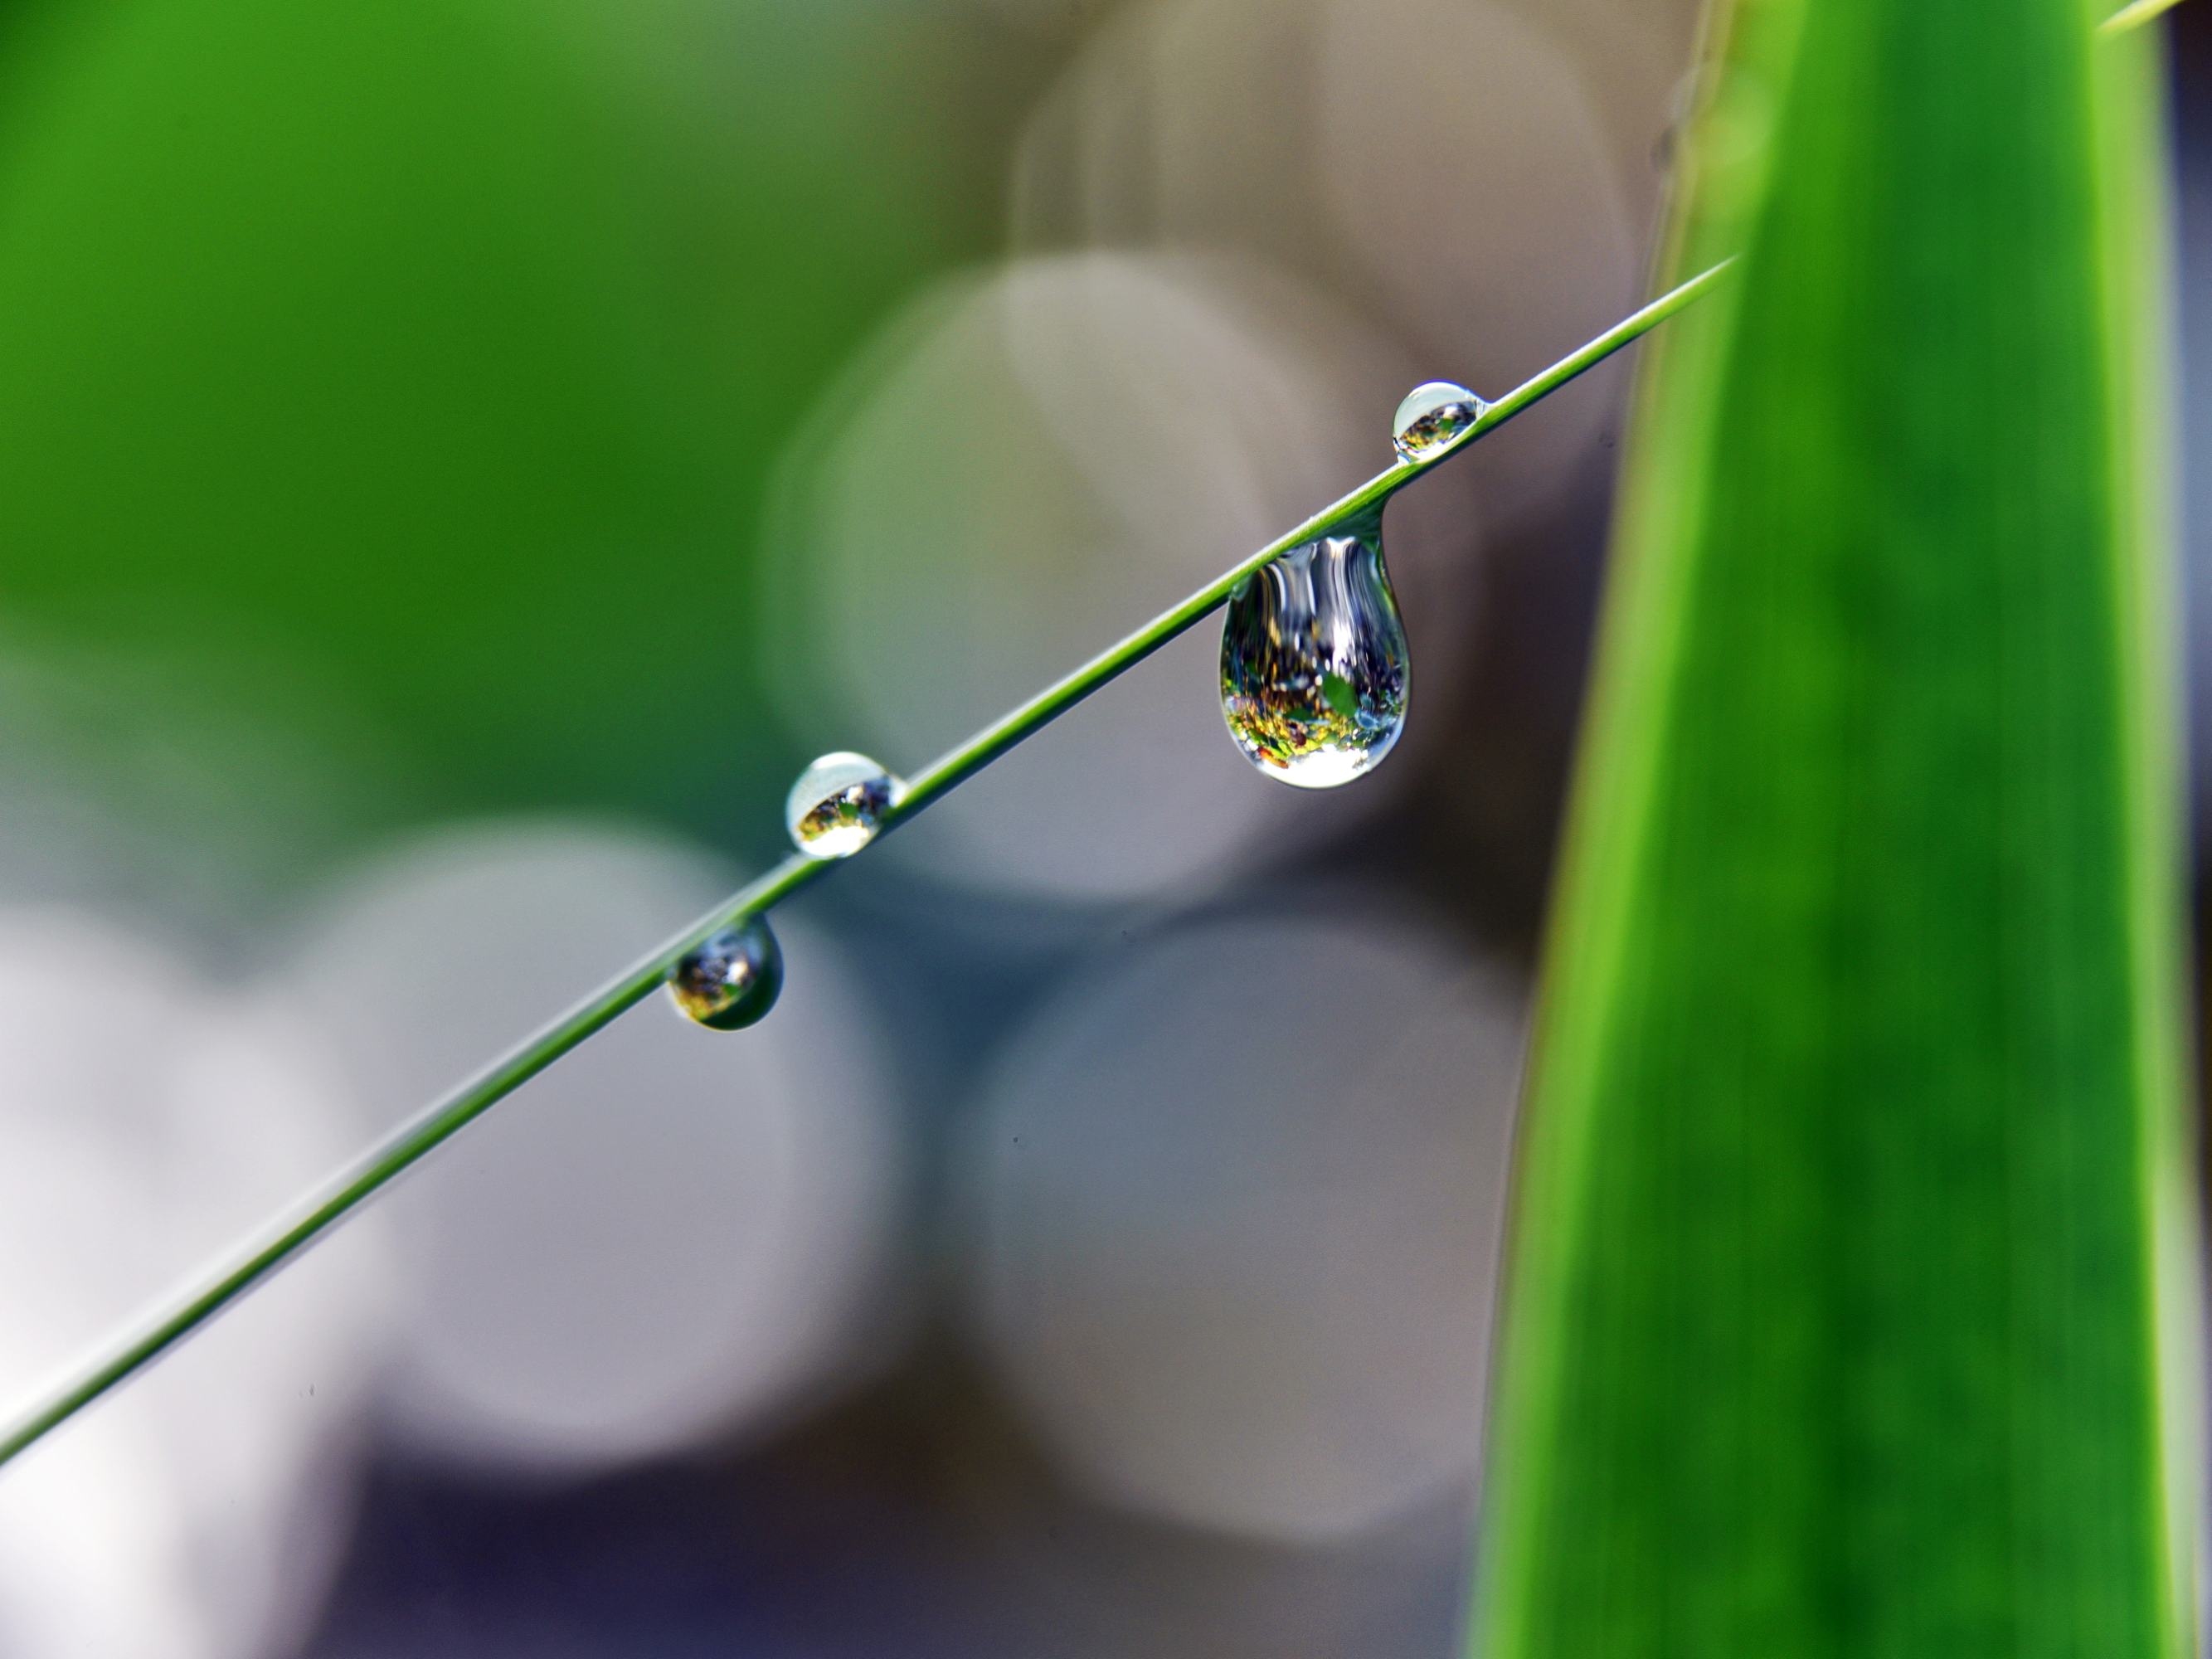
838, 804
1431, 416
1314, 665
731, 980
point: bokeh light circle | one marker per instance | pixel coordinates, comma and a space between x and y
673, 1233
1237, 1204
1035, 462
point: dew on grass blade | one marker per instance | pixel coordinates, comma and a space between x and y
579, 1290
730, 980
1314, 664
838, 804
1431, 416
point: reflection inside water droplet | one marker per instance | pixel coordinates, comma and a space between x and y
1431, 416
731, 980
1314, 664
838, 804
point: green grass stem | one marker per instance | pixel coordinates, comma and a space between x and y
448, 1117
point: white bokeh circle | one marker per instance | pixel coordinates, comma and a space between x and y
1035, 462
1238, 1200
671, 1235
152, 1121
1439, 165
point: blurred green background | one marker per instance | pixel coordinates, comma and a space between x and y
413, 372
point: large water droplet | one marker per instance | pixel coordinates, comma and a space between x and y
838, 804
1314, 664
731, 980
1431, 416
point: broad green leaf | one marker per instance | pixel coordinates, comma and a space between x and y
1849, 1309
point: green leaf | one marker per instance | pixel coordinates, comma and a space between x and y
1848, 1313
1336, 691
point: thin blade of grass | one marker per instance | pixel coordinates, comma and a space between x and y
290, 1235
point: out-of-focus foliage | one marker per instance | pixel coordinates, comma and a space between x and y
437, 353
1836, 1325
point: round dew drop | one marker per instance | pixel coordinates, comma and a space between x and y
1315, 668
1433, 416
731, 980
838, 804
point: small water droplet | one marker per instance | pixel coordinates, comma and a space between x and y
731, 980
1314, 670
1431, 416
838, 804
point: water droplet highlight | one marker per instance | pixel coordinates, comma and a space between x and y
838, 804
1314, 670
731, 980
1431, 416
